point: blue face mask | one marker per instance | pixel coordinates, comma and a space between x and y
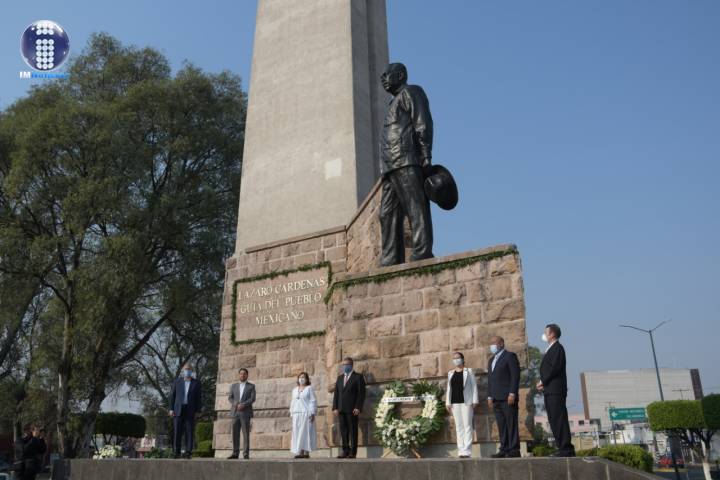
493, 349
347, 369
187, 373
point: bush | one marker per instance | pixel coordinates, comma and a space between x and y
159, 453
204, 449
203, 432
630, 455
542, 451
590, 452
120, 424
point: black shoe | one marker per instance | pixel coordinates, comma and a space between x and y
187, 456
351, 456
464, 456
176, 456
498, 455
513, 455
246, 456
343, 456
233, 456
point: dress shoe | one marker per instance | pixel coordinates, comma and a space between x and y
351, 456
233, 456
176, 456
464, 456
513, 455
498, 455
246, 457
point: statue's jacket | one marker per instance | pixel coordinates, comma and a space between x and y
408, 130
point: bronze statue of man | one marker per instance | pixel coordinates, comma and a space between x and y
405, 156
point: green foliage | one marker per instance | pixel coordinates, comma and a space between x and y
630, 455
416, 272
675, 415
204, 449
159, 453
264, 276
115, 187
203, 431
124, 425
711, 411
589, 452
543, 450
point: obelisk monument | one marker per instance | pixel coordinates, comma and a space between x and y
314, 115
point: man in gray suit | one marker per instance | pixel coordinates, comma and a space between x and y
242, 397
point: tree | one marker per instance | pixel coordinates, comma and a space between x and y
119, 190
692, 421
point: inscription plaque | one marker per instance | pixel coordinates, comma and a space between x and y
288, 304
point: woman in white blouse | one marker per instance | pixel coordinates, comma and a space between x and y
302, 410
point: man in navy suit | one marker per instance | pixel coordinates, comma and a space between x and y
553, 385
503, 389
185, 403
348, 401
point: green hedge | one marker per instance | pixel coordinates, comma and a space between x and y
543, 451
159, 453
630, 455
203, 431
204, 449
590, 452
675, 414
711, 411
120, 424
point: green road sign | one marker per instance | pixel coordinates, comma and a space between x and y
627, 414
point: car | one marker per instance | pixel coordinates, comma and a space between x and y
666, 461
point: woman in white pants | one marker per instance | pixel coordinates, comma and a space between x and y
302, 410
461, 399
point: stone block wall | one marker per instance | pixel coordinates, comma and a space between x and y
400, 322
404, 322
273, 365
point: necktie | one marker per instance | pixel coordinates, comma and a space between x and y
346, 379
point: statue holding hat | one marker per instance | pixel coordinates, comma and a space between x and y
409, 179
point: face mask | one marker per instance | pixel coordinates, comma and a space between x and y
347, 369
493, 349
457, 361
302, 380
544, 338
187, 373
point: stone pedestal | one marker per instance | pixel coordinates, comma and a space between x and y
304, 303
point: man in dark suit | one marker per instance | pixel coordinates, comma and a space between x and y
348, 402
553, 385
503, 390
241, 398
185, 403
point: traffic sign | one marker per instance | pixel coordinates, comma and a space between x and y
627, 414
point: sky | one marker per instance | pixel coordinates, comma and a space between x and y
586, 133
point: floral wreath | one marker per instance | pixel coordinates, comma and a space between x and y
406, 436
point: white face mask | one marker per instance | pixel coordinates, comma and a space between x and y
457, 361
493, 349
545, 338
302, 380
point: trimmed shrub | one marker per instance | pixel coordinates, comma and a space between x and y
630, 455
203, 432
589, 452
159, 453
204, 449
543, 451
120, 424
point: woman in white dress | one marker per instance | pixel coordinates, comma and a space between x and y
302, 410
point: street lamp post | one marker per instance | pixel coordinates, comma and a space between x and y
657, 373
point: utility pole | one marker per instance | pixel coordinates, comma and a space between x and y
657, 373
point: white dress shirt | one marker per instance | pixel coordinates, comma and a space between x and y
187, 389
241, 389
497, 355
